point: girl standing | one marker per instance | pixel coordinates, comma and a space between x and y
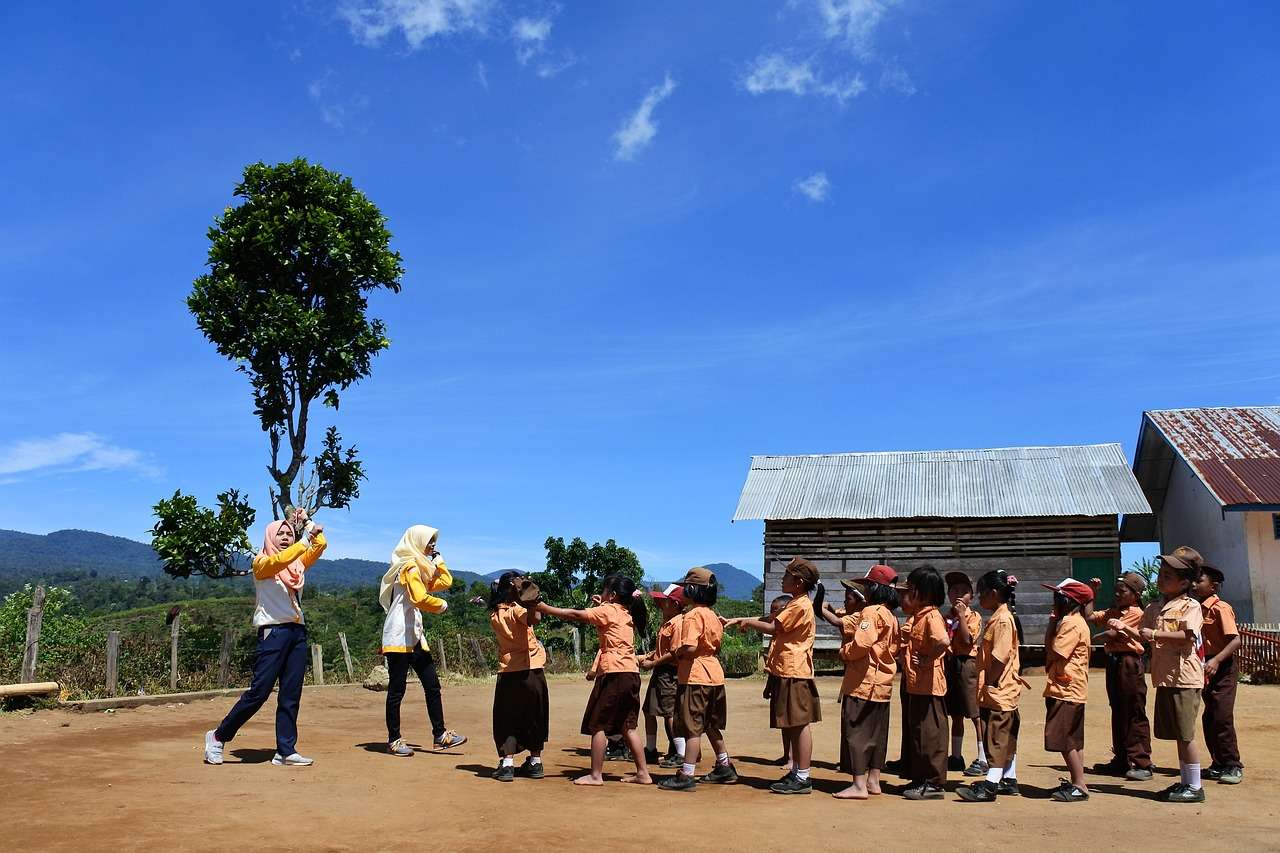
278, 577
965, 626
1066, 669
520, 710
926, 718
615, 695
660, 696
416, 571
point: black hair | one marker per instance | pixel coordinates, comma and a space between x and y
998, 581
927, 585
704, 594
502, 590
625, 589
883, 594
1065, 604
781, 599
1189, 573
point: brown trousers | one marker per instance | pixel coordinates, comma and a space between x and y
1219, 716
927, 729
904, 753
1127, 694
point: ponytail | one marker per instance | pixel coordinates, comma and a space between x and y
631, 598
500, 590
1005, 585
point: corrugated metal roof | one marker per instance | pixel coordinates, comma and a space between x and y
1234, 451
998, 483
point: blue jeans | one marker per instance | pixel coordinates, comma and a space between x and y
282, 657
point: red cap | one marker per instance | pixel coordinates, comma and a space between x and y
880, 574
1081, 593
675, 592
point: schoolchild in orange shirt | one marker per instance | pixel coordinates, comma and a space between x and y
520, 701
660, 696
1126, 681
902, 764
1066, 669
926, 718
965, 627
775, 607
1221, 639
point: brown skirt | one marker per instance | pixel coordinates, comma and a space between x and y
614, 704
926, 726
1000, 735
1176, 713
1063, 725
660, 695
864, 735
792, 702
962, 687
520, 713
700, 708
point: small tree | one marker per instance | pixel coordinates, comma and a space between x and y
191, 540
1150, 571
575, 571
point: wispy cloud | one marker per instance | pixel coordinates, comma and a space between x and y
336, 109
639, 128
371, 22
854, 22
71, 451
775, 73
530, 36
482, 74
815, 187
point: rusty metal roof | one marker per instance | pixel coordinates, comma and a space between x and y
998, 483
1234, 451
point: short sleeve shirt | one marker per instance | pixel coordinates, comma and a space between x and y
959, 648
617, 637
1067, 663
1175, 663
1122, 643
793, 633
667, 635
518, 646
869, 647
700, 629
1219, 624
999, 684
928, 633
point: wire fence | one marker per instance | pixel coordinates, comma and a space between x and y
1259, 654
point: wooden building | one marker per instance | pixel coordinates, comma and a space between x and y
1043, 513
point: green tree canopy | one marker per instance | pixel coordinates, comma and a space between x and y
575, 571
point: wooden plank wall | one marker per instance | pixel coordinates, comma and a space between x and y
1036, 549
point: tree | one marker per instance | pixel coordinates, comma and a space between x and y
191, 540
286, 299
575, 571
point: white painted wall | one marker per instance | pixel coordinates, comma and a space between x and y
1192, 516
1264, 566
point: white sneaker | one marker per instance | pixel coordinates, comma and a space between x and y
294, 760
212, 749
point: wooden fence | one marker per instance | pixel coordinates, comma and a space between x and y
1259, 653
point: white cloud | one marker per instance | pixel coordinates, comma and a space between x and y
418, 20
854, 21
530, 36
71, 451
775, 73
639, 128
336, 109
482, 74
815, 187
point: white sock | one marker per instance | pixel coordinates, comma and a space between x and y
803, 775
678, 744
982, 753
722, 758
995, 774
651, 741
1191, 776
1011, 769
688, 769
535, 759
957, 745
507, 761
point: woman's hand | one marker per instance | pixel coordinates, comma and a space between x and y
316, 529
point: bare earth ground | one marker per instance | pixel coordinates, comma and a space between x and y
133, 780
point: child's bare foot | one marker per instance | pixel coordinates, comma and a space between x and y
588, 779
853, 792
638, 779
873, 790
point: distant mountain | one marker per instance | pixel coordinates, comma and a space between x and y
734, 582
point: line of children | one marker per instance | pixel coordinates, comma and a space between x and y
664, 682
520, 700
965, 626
1066, 690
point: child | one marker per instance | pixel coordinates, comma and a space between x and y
903, 764
926, 713
660, 696
869, 647
793, 695
615, 695
1000, 687
1221, 639
1126, 681
1066, 669
775, 607
416, 571
278, 577
964, 625
700, 698
520, 713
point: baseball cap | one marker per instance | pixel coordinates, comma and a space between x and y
803, 569
1073, 589
1183, 557
855, 587
1213, 573
1134, 581
699, 575
674, 592
878, 574
953, 578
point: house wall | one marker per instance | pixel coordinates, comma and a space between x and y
1192, 516
1264, 566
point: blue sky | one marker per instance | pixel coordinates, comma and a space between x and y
643, 241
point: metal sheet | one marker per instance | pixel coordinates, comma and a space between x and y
1234, 451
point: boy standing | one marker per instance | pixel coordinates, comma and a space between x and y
1126, 682
1221, 639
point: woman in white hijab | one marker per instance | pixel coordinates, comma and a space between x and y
416, 571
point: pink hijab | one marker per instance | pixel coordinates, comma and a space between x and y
293, 575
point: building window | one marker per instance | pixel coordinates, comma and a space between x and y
1275, 524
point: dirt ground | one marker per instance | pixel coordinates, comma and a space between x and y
133, 780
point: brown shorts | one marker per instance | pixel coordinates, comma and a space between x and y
700, 708
1176, 714
1063, 725
614, 704
660, 695
792, 702
962, 687
1000, 735
864, 735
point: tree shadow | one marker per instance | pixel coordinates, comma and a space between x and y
1123, 791
479, 770
254, 756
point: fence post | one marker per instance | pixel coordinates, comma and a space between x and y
577, 647
478, 654
317, 663
346, 656
461, 657
224, 657
174, 629
113, 654
444, 663
35, 618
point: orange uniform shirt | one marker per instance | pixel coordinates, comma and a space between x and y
791, 650
869, 648
973, 621
926, 636
1219, 624
667, 636
1132, 618
617, 637
1175, 663
1067, 661
701, 631
518, 647
999, 684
